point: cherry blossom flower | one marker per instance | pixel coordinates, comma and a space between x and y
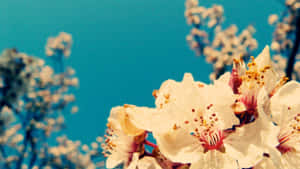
206, 143
247, 83
123, 143
198, 123
285, 108
59, 45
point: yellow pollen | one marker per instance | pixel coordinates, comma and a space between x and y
108, 125
167, 96
175, 127
126, 105
200, 85
282, 81
154, 93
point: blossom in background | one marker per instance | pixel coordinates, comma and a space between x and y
248, 117
68, 153
59, 45
218, 45
16, 74
34, 98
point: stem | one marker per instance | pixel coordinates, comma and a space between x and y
5, 156
291, 61
25, 143
150, 144
34, 155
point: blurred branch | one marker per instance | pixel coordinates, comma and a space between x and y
5, 156
25, 144
292, 57
34, 154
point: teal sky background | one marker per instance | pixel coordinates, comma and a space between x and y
123, 49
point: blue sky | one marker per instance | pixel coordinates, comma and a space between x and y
122, 50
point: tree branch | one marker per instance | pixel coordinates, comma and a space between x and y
34, 154
4, 156
291, 61
25, 143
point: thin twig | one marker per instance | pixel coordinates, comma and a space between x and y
292, 57
25, 143
4, 156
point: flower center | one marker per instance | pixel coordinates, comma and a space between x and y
250, 113
212, 140
282, 147
289, 134
209, 135
116, 140
235, 81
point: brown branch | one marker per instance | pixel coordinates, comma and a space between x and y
292, 58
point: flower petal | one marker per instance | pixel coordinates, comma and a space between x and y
179, 146
221, 97
134, 161
249, 142
148, 163
114, 160
270, 76
215, 160
287, 97
151, 119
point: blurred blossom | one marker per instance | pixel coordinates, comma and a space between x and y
34, 97
60, 44
273, 19
285, 36
218, 45
248, 117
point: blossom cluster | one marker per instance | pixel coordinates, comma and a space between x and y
285, 36
34, 97
248, 118
59, 45
72, 154
218, 45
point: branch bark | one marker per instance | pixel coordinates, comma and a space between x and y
292, 58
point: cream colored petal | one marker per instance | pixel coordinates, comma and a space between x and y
179, 146
245, 158
114, 160
134, 161
221, 99
264, 58
128, 127
266, 163
270, 76
113, 118
180, 97
151, 119
176, 102
249, 142
291, 160
119, 120
148, 163
215, 160
224, 79
287, 97
275, 159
